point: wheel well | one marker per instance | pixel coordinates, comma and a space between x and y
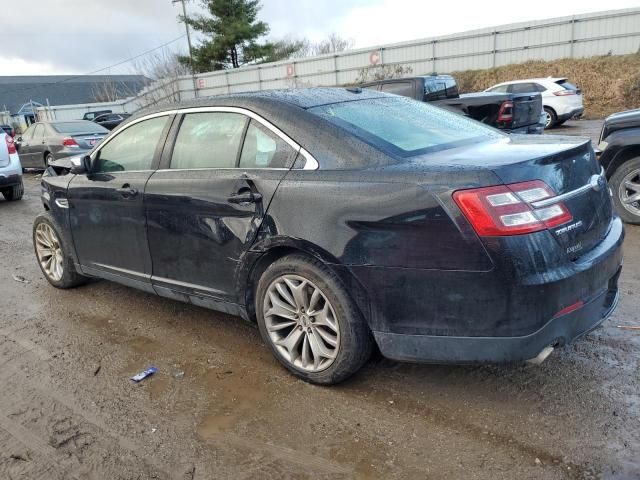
355, 289
547, 107
621, 157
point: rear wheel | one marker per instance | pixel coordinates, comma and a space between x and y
550, 118
48, 158
625, 184
14, 193
309, 321
52, 253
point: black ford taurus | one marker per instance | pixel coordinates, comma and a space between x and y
340, 219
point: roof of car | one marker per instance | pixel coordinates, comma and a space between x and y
304, 98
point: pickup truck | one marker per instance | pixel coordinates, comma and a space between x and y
510, 112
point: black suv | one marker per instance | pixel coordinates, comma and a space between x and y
620, 156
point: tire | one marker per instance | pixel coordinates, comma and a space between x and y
552, 118
48, 158
335, 312
14, 193
65, 276
627, 175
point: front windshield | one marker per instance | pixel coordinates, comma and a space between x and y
405, 127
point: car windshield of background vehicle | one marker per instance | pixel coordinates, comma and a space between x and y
404, 127
79, 128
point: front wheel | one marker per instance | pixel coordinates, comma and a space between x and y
310, 322
53, 255
625, 184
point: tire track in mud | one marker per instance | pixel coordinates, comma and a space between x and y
71, 429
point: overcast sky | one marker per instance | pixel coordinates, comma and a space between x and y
79, 36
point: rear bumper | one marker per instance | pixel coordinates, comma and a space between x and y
573, 113
10, 179
559, 331
444, 316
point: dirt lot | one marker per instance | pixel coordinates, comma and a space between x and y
220, 406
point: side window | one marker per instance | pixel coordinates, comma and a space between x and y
263, 149
133, 148
38, 131
208, 140
500, 89
28, 133
399, 88
539, 88
523, 88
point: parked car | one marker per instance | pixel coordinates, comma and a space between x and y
511, 113
9, 130
10, 169
561, 99
44, 142
336, 218
92, 115
111, 120
619, 147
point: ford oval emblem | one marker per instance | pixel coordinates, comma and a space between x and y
597, 182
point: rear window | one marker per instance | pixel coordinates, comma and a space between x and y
78, 127
437, 88
404, 127
567, 85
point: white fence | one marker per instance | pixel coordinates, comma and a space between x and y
614, 32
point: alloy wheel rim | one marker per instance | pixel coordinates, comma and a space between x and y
49, 252
629, 192
301, 323
547, 117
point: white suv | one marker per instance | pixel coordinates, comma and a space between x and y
10, 169
561, 100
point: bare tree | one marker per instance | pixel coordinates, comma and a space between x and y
382, 72
163, 69
333, 44
110, 91
291, 47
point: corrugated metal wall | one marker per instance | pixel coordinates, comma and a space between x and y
614, 32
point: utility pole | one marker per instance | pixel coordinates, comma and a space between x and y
186, 25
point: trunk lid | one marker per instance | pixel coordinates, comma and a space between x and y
87, 140
574, 171
566, 164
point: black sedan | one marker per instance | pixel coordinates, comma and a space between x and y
340, 219
111, 120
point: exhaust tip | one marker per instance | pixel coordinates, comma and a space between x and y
542, 356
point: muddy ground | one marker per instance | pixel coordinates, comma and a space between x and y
221, 407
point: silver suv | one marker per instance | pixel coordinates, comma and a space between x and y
10, 169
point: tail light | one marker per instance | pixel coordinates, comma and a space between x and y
508, 210
505, 114
564, 93
69, 142
11, 146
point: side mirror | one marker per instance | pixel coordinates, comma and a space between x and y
80, 165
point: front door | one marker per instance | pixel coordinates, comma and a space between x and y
106, 206
32, 147
205, 206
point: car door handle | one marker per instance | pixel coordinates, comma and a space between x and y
248, 197
127, 191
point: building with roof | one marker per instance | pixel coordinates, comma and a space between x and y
18, 91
